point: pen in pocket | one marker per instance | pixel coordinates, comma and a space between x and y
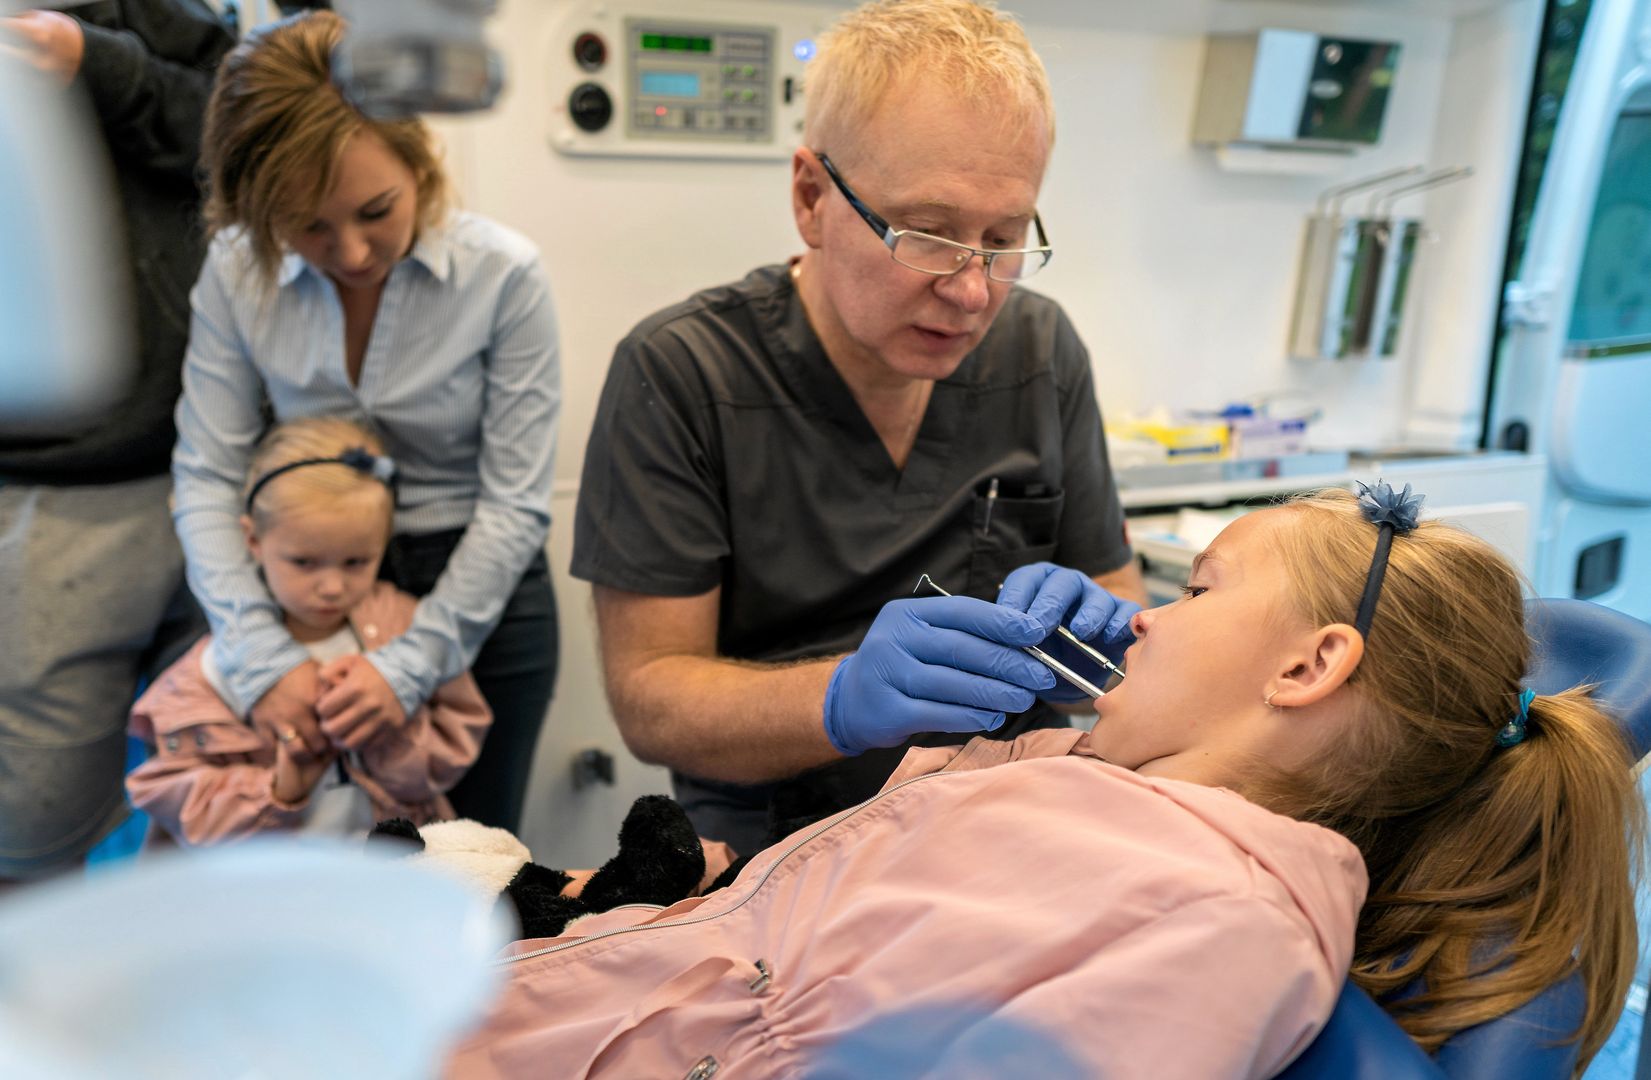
991, 501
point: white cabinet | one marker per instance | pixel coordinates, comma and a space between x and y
1494, 495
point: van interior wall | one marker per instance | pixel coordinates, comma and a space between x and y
1178, 274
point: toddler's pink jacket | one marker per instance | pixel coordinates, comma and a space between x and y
210, 777
1151, 927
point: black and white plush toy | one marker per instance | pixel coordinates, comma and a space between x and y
660, 861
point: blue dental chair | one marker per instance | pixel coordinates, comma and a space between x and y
1575, 642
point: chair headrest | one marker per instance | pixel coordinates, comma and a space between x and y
1577, 642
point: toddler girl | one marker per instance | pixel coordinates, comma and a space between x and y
319, 502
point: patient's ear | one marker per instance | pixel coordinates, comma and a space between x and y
1316, 665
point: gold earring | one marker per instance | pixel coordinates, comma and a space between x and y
1268, 700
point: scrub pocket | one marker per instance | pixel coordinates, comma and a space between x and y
1020, 530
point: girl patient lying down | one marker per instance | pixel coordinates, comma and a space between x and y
1280, 793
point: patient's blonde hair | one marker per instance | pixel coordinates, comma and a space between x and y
275, 127
313, 485
1494, 872
979, 53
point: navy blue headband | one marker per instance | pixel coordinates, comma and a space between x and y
359, 458
1392, 513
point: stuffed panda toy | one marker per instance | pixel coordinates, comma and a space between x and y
660, 861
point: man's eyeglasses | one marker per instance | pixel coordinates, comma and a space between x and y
933, 255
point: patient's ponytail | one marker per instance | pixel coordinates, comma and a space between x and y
1528, 860
1495, 870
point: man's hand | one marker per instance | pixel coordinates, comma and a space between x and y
286, 714
1052, 594
49, 41
938, 663
356, 704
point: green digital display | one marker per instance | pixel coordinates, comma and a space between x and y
676, 43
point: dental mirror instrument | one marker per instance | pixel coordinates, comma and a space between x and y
1036, 653
1090, 651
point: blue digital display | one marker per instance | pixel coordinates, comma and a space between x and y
670, 84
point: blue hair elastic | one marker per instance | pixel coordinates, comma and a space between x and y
1392, 513
1513, 732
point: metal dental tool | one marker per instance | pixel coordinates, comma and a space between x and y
1038, 654
1090, 651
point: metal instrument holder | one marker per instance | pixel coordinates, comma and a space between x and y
1335, 285
1396, 239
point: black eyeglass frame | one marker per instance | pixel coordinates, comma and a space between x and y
891, 236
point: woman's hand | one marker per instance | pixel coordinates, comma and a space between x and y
49, 41
286, 713
356, 704
294, 779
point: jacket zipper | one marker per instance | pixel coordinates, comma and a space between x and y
819, 831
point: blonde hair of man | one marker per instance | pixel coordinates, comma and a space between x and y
979, 53
313, 485
276, 125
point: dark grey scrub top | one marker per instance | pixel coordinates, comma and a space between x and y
727, 451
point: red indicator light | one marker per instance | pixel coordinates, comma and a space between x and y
660, 110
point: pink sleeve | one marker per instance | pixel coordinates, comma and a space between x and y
1220, 987
439, 742
200, 801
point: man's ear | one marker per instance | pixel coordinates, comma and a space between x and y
1321, 662
249, 534
806, 194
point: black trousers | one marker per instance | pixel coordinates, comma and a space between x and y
515, 671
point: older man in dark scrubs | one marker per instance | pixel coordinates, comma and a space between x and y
777, 459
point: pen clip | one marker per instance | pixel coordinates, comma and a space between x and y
991, 501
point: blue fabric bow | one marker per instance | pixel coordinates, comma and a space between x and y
363, 460
1384, 506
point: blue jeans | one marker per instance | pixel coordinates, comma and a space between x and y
515, 670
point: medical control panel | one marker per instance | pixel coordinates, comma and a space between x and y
691, 80
700, 82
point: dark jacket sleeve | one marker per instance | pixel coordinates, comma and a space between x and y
149, 78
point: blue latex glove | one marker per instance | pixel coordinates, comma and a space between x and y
1054, 595
935, 663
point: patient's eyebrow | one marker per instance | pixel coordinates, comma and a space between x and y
1208, 555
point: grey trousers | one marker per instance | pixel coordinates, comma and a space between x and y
92, 600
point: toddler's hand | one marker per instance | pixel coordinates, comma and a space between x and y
356, 704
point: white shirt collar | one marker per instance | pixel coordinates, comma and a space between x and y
433, 250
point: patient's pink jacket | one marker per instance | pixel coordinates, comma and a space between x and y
1152, 928
210, 777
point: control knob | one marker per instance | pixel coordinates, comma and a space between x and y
590, 106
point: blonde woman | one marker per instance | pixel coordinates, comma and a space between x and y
340, 282
316, 514
1182, 891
